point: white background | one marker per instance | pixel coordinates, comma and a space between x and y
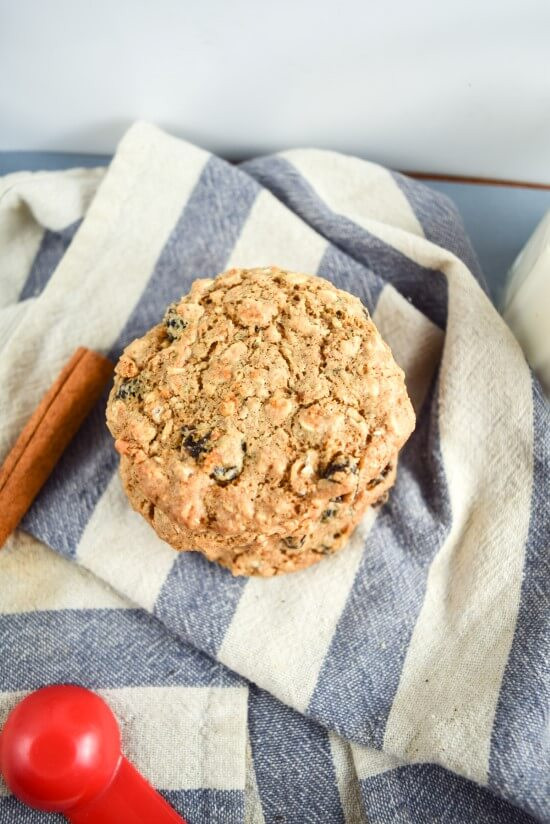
431, 85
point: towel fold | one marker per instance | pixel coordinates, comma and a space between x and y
405, 679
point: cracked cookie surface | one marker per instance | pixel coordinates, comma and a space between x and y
259, 420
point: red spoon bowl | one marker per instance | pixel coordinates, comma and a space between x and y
60, 748
60, 752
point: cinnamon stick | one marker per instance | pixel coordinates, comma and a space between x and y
50, 428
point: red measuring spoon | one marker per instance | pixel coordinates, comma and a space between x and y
60, 751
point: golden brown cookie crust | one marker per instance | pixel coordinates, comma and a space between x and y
259, 420
266, 555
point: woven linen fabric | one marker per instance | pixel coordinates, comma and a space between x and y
405, 679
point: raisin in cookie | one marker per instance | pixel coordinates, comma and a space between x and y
259, 420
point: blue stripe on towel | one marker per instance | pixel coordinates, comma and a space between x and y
441, 222
347, 273
198, 806
426, 793
293, 763
13, 811
426, 288
360, 675
207, 806
52, 248
192, 583
129, 648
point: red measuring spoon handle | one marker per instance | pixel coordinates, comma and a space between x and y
129, 799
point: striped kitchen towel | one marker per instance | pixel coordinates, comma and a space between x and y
403, 680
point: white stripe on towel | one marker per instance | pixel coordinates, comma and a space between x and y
450, 682
84, 286
362, 191
347, 780
179, 738
120, 547
269, 640
415, 341
41, 579
273, 235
